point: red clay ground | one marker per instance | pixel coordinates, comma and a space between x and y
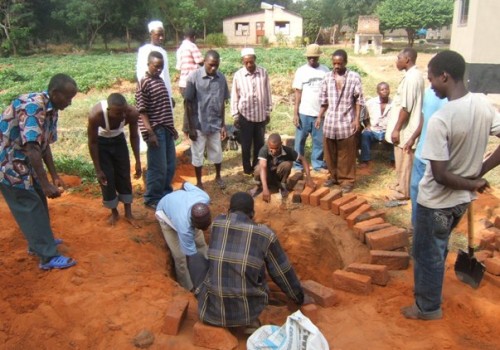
123, 282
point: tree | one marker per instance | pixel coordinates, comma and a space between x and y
352, 9
414, 14
16, 24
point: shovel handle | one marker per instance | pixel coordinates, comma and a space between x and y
470, 228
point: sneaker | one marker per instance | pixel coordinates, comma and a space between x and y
412, 312
220, 183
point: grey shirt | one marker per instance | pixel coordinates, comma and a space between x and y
207, 95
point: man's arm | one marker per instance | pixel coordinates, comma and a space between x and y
266, 195
455, 182
305, 165
132, 119
34, 154
92, 136
321, 116
235, 97
189, 96
403, 117
411, 141
491, 162
298, 99
269, 98
49, 162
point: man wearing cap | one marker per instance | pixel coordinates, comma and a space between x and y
251, 107
235, 290
157, 35
307, 84
183, 216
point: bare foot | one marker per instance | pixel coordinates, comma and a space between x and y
113, 218
132, 221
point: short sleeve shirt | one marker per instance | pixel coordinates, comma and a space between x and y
308, 79
29, 118
287, 154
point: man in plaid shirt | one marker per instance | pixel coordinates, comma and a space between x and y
235, 290
341, 99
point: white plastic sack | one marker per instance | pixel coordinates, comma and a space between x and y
298, 333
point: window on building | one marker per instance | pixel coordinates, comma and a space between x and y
282, 27
464, 12
242, 29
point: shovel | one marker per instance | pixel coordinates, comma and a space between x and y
467, 268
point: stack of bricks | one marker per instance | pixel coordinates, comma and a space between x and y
387, 243
489, 253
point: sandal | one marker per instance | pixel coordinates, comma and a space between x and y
57, 241
220, 183
58, 262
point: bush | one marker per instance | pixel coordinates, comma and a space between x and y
281, 39
265, 41
216, 39
299, 41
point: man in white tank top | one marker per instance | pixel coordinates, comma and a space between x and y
109, 152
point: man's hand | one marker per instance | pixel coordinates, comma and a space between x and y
153, 140
309, 182
296, 120
317, 123
480, 185
266, 195
236, 122
408, 145
101, 178
193, 136
395, 137
51, 191
223, 133
356, 126
367, 128
59, 182
138, 171
268, 119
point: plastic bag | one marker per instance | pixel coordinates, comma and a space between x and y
298, 333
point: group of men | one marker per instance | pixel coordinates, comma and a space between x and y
228, 274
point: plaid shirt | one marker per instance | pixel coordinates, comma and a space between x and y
251, 95
235, 291
341, 105
188, 59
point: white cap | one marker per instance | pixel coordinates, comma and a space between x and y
153, 25
247, 51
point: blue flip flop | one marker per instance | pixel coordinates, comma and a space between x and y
58, 262
57, 241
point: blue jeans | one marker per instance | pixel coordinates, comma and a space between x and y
306, 128
417, 173
430, 248
367, 138
161, 167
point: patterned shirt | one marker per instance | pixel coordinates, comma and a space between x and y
188, 59
251, 94
29, 118
152, 99
207, 95
341, 104
235, 290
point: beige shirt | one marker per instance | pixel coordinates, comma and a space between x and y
457, 133
410, 96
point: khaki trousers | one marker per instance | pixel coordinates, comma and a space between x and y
404, 164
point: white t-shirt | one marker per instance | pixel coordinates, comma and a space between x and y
457, 133
308, 79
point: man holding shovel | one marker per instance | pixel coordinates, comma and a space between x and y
456, 140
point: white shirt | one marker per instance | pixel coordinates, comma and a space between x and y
308, 80
142, 64
378, 121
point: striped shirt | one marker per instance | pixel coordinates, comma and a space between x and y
188, 59
341, 104
251, 94
235, 290
153, 100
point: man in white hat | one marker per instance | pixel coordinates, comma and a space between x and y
157, 35
251, 107
307, 85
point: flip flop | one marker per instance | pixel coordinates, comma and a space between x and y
57, 241
395, 203
58, 262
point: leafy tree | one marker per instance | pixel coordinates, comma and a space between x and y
352, 9
414, 14
16, 24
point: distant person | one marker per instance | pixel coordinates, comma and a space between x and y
28, 126
431, 104
206, 93
183, 216
307, 85
275, 165
109, 152
404, 120
251, 106
189, 59
456, 140
376, 114
157, 128
341, 100
235, 289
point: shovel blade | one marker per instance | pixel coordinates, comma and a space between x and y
468, 269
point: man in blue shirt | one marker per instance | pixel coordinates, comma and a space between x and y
183, 216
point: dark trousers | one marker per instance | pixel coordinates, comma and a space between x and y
251, 132
340, 158
115, 163
277, 175
185, 124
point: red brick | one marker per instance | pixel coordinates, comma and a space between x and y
322, 295
311, 311
296, 197
351, 217
176, 312
352, 282
495, 280
487, 238
304, 196
213, 337
351, 207
364, 224
299, 187
336, 204
315, 197
393, 260
326, 202
493, 266
497, 242
482, 255
379, 213
378, 273
497, 222
389, 238
362, 233
294, 179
